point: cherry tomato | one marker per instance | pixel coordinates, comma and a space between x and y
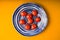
34, 12
24, 13
29, 16
27, 27
22, 21
38, 19
30, 21
34, 26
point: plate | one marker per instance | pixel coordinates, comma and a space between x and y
28, 7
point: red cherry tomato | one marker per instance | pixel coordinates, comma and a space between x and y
34, 12
34, 26
29, 16
24, 13
38, 19
30, 21
22, 21
27, 27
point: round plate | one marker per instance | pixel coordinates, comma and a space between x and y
29, 7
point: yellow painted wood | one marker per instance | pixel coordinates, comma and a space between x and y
7, 30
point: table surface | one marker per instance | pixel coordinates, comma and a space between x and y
8, 32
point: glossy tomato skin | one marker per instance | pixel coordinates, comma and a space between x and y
34, 12
27, 27
24, 13
34, 26
30, 21
29, 16
22, 21
38, 19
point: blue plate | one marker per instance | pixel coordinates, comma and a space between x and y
28, 7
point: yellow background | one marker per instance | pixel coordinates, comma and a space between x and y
7, 30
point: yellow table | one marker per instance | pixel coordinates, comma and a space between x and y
8, 32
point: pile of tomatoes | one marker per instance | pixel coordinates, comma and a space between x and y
29, 19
